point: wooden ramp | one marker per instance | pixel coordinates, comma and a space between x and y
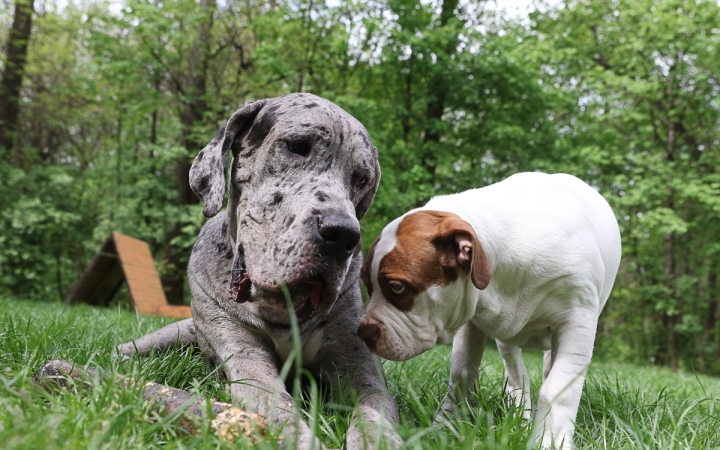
123, 258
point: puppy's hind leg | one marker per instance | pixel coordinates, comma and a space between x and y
180, 333
572, 346
517, 380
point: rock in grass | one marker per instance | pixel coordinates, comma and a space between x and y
228, 421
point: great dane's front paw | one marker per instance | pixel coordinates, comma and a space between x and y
358, 440
375, 433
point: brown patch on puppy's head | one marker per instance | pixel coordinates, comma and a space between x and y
432, 248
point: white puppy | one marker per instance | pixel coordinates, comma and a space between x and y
529, 261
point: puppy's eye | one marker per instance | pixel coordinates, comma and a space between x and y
397, 288
361, 183
301, 148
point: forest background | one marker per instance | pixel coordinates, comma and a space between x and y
103, 105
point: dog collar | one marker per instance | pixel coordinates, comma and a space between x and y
240, 286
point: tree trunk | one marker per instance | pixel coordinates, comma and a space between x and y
154, 119
670, 320
437, 94
713, 325
194, 108
408, 101
12, 76
194, 103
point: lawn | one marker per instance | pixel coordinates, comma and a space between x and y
623, 406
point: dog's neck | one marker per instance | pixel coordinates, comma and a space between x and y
231, 211
240, 282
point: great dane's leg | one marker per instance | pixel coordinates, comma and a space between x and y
572, 345
250, 365
517, 380
373, 423
346, 363
467, 352
179, 333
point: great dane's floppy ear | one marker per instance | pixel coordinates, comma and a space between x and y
461, 247
364, 203
209, 170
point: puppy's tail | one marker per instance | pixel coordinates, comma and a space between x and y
176, 334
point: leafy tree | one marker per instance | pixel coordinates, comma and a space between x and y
13, 70
645, 78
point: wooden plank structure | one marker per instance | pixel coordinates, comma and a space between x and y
123, 258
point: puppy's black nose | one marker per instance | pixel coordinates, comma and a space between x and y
338, 234
369, 332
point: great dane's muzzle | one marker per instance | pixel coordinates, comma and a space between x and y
337, 234
334, 233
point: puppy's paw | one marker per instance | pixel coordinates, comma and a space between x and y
448, 411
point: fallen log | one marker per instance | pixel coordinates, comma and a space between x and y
228, 421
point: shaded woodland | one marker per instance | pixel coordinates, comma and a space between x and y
103, 106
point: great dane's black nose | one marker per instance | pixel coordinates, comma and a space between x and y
338, 234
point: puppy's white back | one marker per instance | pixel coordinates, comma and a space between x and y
537, 227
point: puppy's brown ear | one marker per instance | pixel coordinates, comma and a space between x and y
463, 248
471, 251
209, 170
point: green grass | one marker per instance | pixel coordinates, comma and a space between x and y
623, 406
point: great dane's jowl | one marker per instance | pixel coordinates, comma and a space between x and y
303, 172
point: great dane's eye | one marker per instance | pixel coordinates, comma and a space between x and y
397, 288
301, 148
361, 183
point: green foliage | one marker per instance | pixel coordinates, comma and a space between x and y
36, 210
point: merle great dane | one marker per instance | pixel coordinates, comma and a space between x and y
303, 172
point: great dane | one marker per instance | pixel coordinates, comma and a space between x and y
303, 172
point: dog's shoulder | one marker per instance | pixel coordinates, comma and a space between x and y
213, 250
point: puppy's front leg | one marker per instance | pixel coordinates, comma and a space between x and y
517, 380
250, 367
559, 397
467, 353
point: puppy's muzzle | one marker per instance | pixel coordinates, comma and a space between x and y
337, 234
369, 331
